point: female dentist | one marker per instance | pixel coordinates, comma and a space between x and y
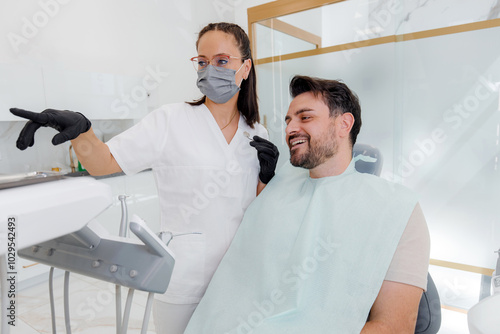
206, 172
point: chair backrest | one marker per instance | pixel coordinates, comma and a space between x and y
429, 310
368, 159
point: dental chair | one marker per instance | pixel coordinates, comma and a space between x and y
368, 159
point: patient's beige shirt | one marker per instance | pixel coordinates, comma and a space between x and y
408, 264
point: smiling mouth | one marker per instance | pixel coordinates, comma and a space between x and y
295, 142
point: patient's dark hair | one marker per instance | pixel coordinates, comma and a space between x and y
336, 95
247, 100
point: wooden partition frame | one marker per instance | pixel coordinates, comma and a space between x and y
275, 9
291, 30
278, 8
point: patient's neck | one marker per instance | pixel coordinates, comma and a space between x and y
335, 165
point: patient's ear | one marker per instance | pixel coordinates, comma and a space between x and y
345, 124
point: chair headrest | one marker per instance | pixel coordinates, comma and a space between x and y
368, 159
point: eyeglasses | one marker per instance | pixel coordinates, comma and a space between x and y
218, 62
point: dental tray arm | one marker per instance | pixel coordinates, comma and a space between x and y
145, 265
150, 240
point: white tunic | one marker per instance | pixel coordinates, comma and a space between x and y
204, 185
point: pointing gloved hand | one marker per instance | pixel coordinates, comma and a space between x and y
267, 154
69, 124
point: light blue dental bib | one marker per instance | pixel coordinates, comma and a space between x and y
309, 257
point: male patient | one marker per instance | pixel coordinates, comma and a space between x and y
323, 249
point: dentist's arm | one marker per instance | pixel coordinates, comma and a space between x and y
260, 187
74, 126
94, 155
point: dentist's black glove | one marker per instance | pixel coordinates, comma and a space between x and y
267, 154
69, 124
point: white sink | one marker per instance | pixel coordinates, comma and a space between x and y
483, 317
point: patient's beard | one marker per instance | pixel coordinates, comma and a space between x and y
318, 151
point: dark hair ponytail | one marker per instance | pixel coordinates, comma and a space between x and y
247, 100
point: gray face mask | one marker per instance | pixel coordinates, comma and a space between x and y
218, 84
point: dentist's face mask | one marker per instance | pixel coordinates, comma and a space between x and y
218, 84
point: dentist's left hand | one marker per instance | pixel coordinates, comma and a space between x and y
268, 154
69, 124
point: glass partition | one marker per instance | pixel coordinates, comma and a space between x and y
332, 23
428, 78
273, 42
450, 140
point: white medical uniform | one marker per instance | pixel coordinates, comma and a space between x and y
204, 185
